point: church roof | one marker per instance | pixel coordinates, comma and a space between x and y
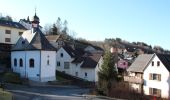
33, 41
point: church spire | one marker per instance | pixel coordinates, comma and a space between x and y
35, 20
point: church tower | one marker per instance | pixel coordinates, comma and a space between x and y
35, 21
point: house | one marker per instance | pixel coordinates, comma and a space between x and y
33, 57
122, 65
56, 40
26, 23
157, 76
78, 63
150, 74
10, 31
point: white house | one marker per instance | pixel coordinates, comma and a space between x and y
33, 57
157, 76
10, 31
150, 73
78, 63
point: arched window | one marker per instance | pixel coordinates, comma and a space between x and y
31, 62
15, 62
20, 62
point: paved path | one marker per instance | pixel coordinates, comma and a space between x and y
21, 92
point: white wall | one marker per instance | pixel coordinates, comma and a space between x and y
165, 79
90, 74
48, 71
33, 73
14, 34
66, 58
26, 71
97, 69
18, 55
75, 68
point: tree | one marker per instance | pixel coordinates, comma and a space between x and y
7, 18
54, 30
47, 29
107, 74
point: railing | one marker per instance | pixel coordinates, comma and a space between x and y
133, 79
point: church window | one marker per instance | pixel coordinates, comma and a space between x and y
21, 62
15, 62
31, 62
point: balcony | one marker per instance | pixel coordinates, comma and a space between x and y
133, 79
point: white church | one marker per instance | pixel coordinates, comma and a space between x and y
33, 57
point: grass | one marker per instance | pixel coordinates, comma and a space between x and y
61, 78
4, 95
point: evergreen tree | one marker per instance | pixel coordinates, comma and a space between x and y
107, 73
54, 30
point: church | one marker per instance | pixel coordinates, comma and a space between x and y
33, 57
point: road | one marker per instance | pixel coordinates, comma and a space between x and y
21, 92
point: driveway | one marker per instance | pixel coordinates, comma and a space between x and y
22, 92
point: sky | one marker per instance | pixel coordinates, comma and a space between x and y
132, 20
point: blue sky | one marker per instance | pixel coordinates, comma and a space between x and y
132, 20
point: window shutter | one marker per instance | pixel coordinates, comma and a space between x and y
159, 92
150, 76
159, 77
150, 91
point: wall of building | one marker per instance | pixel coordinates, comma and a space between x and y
14, 36
66, 58
48, 65
163, 85
26, 70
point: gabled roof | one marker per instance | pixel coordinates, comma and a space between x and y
11, 24
33, 41
143, 60
90, 60
53, 38
72, 51
140, 63
165, 59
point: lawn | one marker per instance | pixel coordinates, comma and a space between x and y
4, 95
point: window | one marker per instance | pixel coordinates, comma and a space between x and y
20, 33
7, 39
48, 62
152, 63
85, 74
76, 73
61, 54
7, 31
154, 91
20, 62
158, 63
58, 63
23, 42
15, 62
155, 77
31, 62
66, 65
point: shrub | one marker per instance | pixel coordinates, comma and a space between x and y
11, 77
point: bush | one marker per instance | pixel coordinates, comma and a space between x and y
11, 77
